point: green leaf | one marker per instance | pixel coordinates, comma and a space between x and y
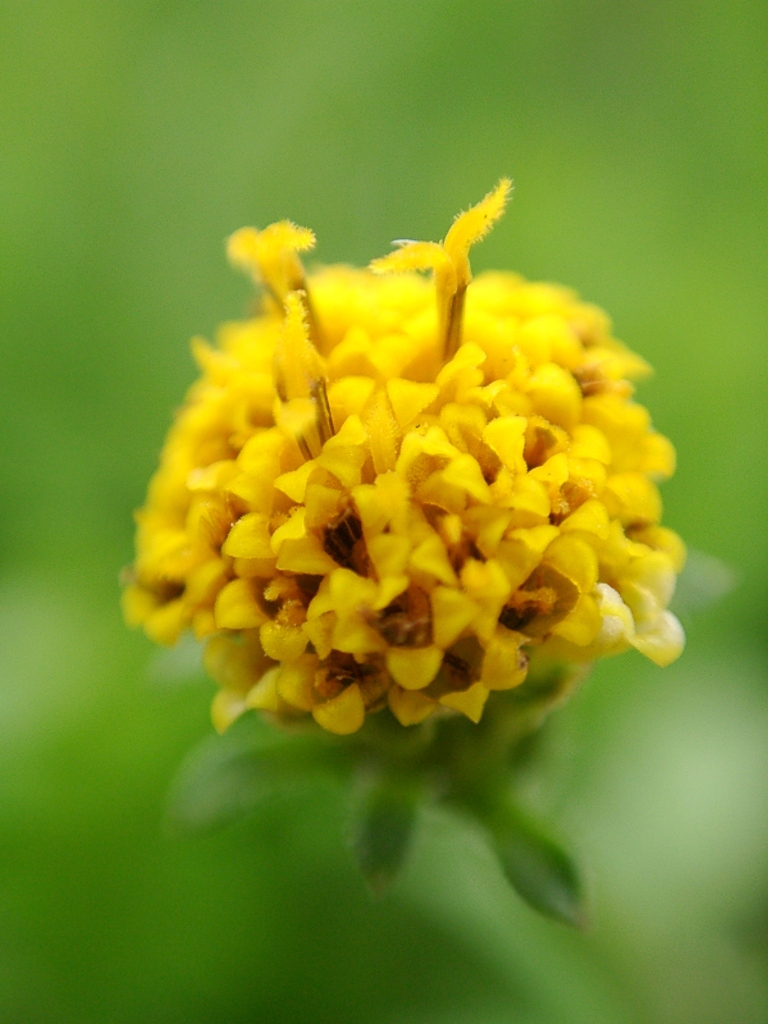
217, 783
383, 824
538, 867
226, 777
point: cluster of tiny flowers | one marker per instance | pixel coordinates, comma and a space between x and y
386, 491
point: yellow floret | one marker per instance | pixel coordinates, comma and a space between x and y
384, 495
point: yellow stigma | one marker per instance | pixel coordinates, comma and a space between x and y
300, 381
382, 500
270, 256
450, 261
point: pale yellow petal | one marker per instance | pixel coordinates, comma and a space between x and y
413, 668
343, 714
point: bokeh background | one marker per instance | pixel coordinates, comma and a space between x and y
134, 136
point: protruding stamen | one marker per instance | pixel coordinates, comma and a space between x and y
472, 226
425, 256
300, 380
271, 258
449, 261
455, 322
324, 418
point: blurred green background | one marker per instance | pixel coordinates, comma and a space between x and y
134, 136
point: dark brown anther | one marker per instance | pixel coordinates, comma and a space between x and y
328, 685
374, 685
540, 444
166, 590
459, 554
455, 323
343, 541
406, 621
572, 494
319, 395
336, 673
340, 670
308, 586
591, 380
525, 609
542, 601
459, 670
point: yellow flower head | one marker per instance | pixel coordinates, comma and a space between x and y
389, 493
